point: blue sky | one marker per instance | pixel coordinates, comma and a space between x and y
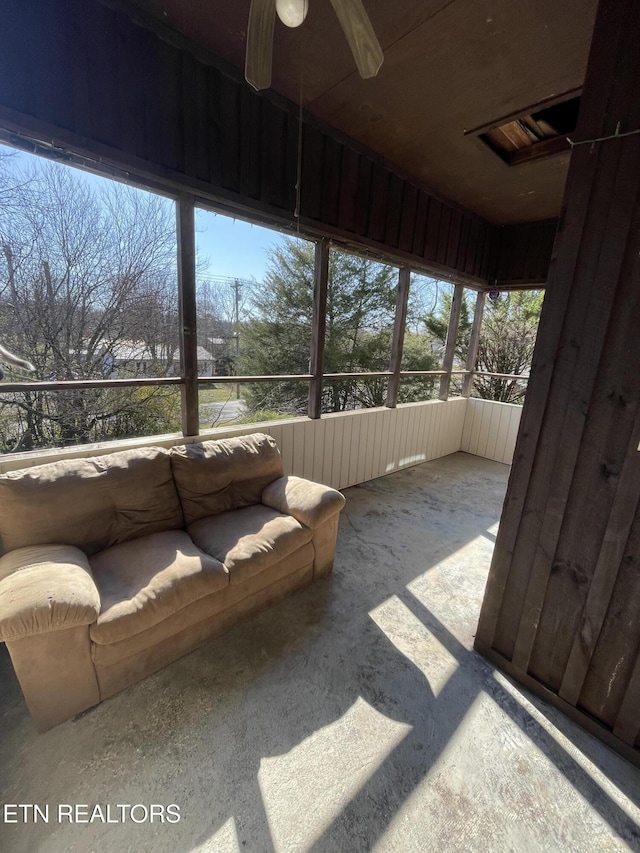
234, 248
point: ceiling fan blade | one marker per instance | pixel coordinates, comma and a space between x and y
360, 35
257, 68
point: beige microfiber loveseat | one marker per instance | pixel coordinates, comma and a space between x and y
116, 565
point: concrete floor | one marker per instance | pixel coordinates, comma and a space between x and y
353, 716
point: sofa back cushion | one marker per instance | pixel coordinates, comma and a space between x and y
91, 503
216, 476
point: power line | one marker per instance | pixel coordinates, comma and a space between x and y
221, 279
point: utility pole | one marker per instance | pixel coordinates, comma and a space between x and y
236, 285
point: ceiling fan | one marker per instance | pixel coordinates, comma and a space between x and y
353, 19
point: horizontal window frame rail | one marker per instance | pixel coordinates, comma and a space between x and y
239, 380
376, 374
407, 374
501, 375
82, 384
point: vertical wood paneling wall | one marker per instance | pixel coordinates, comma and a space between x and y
338, 450
523, 253
82, 74
491, 429
562, 606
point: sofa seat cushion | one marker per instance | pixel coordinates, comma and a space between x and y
249, 540
216, 609
148, 579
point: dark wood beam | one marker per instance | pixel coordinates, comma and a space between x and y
318, 327
450, 346
474, 342
185, 221
400, 322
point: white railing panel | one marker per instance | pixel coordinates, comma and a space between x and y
490, 429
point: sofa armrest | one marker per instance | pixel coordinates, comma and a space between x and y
310, 503
45, 588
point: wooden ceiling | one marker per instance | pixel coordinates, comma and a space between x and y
450, 66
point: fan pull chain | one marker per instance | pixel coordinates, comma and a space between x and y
296, 212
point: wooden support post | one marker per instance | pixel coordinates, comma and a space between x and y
561, 602
318, 327
185, 219
402, 298
474, 341
450, 347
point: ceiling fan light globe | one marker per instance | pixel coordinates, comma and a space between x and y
292, 12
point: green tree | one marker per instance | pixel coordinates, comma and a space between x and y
507, 339
438, 325
361, 296
276, 337
417, 354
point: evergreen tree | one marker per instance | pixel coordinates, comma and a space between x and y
361, 296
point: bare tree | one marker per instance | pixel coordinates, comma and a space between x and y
83, 271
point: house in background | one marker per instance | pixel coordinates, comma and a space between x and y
126, 358
138, 359
206, 362
221, 353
